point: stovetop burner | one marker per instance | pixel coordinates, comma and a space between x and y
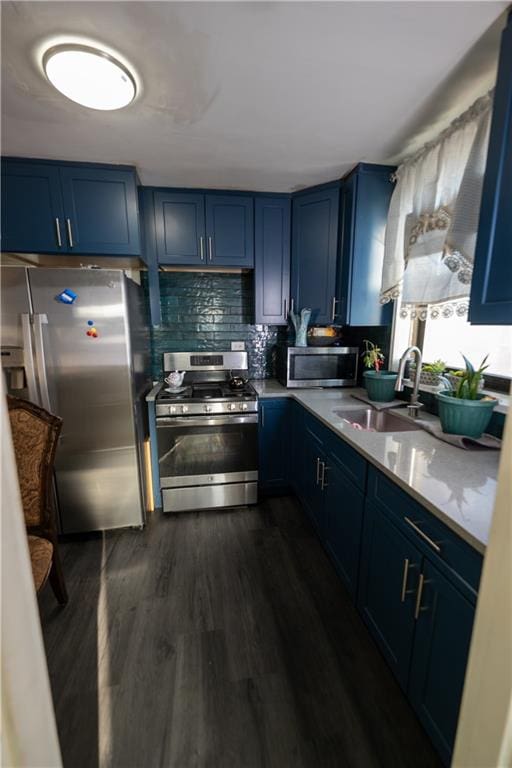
209, 391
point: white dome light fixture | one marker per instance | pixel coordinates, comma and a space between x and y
89, 76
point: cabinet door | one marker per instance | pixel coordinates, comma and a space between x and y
230, 230
313, 497
365, 202
274, 444
491, 287
296, 464
314, 253
441, 647
179, 228
101, 211
386, 556
272, 260
32, 212
344, 506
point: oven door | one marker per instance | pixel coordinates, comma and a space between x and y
204, 450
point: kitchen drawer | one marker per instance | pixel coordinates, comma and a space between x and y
458, 558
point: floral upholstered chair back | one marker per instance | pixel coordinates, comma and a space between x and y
35, 433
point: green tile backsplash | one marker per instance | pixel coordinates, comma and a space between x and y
207, 311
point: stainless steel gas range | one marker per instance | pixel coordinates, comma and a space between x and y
207, 432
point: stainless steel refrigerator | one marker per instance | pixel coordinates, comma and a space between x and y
76, 342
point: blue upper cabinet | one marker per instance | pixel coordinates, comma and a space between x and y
314, 253
32, 211
272, 260
65, 208
180, 228
101, 210
230, 230
366, 193
491, 288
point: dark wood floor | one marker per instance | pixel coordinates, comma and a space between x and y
220, 639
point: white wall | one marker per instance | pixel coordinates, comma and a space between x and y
29, 734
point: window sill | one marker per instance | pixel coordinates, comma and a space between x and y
504, 401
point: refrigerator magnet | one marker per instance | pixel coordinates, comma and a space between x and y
67, 296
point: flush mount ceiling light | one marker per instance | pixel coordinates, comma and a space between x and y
89, 76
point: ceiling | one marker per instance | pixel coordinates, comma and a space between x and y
251, 95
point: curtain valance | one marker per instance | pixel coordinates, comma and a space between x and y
433, 219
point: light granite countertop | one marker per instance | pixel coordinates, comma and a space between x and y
456, 485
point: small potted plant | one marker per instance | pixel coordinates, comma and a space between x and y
463, 409
380, 384
432, 372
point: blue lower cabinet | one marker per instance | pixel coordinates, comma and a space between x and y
344, 508
274, 444
314, 459
390, 568
439, 659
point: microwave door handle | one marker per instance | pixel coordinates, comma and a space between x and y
39, 321
28, 359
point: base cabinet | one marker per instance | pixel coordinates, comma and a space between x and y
440, 652
390, 567
417, 600
274, 444
344, 507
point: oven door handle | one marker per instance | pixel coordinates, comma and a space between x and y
205, 421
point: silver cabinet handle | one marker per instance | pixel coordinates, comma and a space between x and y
57, 227
323, 483
210, 255
285, 312
292, 304
405, 577
421, 583
263, 416
423, 535
28, 359
70, 233
318, 462
333, 308
201, 248
39, 321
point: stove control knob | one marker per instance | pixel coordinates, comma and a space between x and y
184, 408
231, 406
243, 407
207, 408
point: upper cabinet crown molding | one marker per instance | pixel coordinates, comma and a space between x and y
69, 208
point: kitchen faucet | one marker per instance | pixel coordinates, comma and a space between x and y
414, 405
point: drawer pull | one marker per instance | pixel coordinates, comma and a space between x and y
423, 535
318, 462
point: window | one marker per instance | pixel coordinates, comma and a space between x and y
446, 339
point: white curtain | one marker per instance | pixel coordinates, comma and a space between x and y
433, 219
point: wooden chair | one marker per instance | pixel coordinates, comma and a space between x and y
35, 433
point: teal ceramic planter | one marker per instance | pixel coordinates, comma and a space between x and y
464, 417
380, 386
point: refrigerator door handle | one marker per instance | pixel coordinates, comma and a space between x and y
39, 321
28, 354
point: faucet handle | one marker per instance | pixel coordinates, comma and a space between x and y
413, 409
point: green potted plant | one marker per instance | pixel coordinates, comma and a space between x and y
463, 409
380, 384
431, 373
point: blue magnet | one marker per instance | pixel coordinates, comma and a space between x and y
67, 296
90, 322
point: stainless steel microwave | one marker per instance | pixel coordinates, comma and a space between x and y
317, 366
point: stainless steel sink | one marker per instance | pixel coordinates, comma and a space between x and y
370, 420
